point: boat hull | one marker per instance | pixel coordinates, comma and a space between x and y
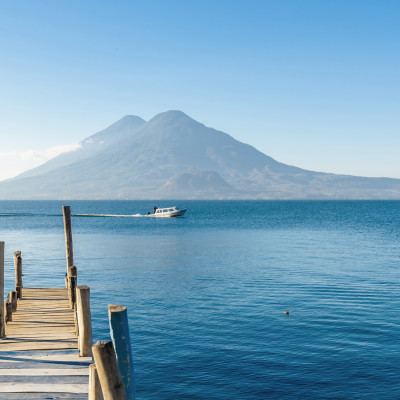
169, 214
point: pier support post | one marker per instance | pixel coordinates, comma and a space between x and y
107, 368
18, 273
94, 384
8, 311
68, 235
76, 319
119, 330
72, 280
85, 339
14, 300
2, 316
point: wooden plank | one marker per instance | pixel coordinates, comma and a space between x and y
43, 359
66, 356
37, 365
43, 396
32, 346
44, 371
43, 388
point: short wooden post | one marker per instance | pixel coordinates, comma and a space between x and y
14, 300
94, 384
18, 273
76, 320
107, 368
2, 316
8, 311
72, 279
66, 280
85, 339
119, 329
68, 235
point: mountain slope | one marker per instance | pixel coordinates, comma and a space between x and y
173, 155
90, 146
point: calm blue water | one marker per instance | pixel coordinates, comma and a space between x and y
206, 293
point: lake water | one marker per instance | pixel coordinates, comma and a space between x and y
206, 293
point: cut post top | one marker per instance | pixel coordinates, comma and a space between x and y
112, 308
72, 271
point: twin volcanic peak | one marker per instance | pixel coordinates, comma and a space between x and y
173, 156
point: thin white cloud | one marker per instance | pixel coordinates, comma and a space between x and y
39, 155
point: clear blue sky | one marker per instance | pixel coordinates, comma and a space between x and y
314, 84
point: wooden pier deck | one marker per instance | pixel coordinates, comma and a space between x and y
39, 356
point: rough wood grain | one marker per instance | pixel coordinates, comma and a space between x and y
68, 235
108, 371
84, 321
119, 329
39, 354
18, 273
95, 392
43, 388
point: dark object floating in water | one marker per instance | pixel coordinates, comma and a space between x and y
286, 312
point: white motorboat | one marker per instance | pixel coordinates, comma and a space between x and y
167, 212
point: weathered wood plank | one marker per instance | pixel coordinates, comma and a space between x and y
65, 356
35, 365
43, 359
32, 346
44, 371
43, 396
43, 388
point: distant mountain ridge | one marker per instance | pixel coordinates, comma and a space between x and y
174, 156
90, 146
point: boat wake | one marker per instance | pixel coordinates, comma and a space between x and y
22, 214
109, 215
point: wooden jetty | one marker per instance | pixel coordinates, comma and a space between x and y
46, 347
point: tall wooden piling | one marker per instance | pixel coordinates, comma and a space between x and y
119, 329
2, 316
68, 235
107, 368
18, 273
85, 339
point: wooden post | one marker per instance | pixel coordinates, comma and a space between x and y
76, 320
68, 235
72, 278
18, 273
14, 300
94, 384
8, 311
85, 339
2, 317
119, 329
107, 368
